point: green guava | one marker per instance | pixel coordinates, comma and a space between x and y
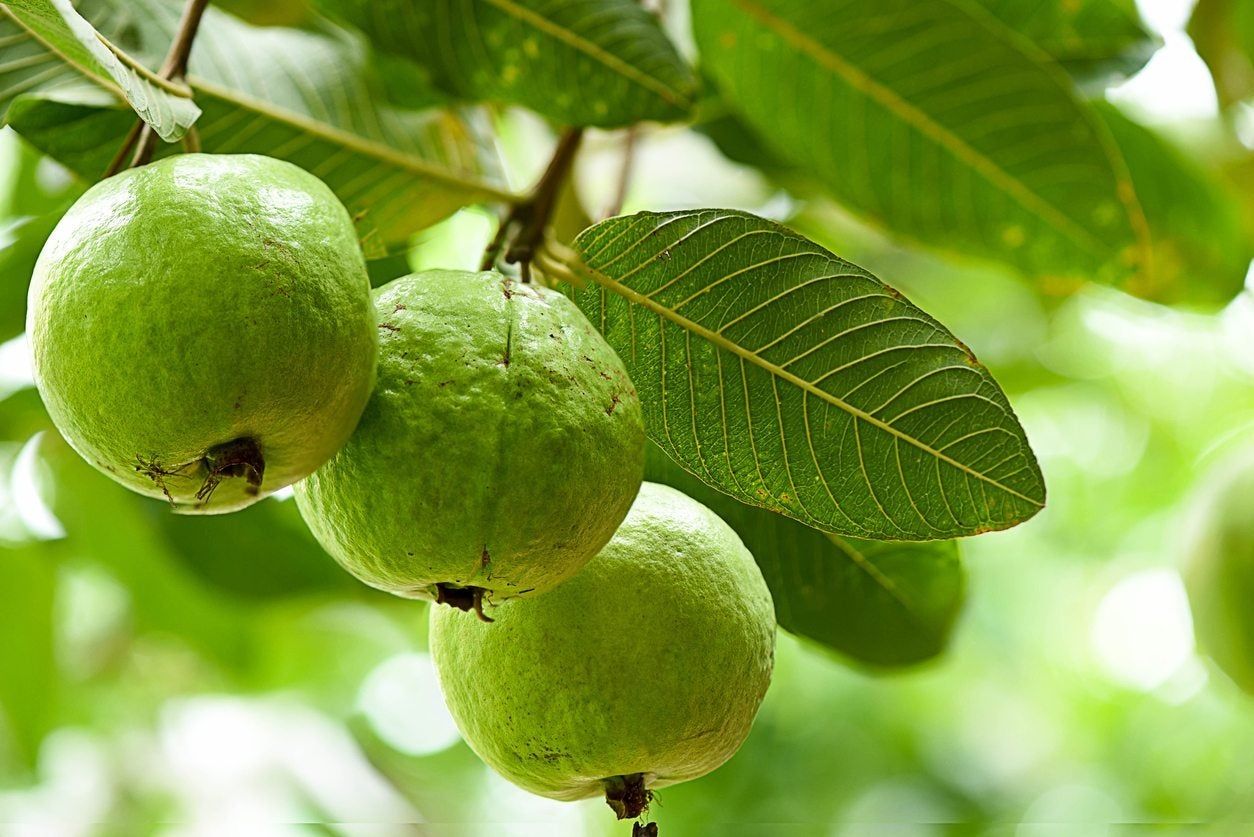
202, 328
1219, 575
644, 670
501, 449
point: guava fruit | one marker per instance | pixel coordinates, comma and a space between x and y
202, 328
501, 449
1219, 575
644, 670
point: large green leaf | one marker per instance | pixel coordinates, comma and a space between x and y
22, 415
32, 205
166, 106
20, 243
935, 121
884, 603
305, 96
796, 381
1088, 37
1201, 249
26, 64
578, 62
1223, 31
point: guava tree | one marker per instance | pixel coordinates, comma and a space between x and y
848, 437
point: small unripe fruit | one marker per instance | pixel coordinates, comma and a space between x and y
202, 328
1220, 575
645, 669
501, 449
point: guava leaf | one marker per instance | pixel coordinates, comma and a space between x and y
23, 415
306, 96
20, 242
884, 603
1201, 247
1223, 31
26, 64
793, 380
388, 268
936, 121
1092, 39
166, 106
579, 62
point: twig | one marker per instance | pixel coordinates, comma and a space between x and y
524, 226
119, 159
191, 141
625, 172
175, 66
630, 142
142, 138
493, 251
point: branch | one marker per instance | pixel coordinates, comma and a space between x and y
523, 228
625, 172
142, 137
632, 139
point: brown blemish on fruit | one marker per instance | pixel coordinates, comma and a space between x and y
509, 342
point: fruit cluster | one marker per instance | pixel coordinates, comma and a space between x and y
204, 332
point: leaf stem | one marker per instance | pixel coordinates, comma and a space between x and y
522, 231
142, 138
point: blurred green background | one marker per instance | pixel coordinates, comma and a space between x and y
223, 676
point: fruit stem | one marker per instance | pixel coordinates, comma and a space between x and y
627, 795
463, 598
174, 67
525, 224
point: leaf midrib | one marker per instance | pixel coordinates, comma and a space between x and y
351, 141
106, 83
743, 353
995, 174
882, 580
610, 61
